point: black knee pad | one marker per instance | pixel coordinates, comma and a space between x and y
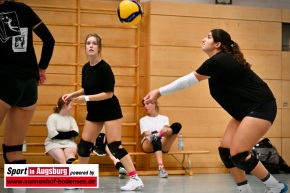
18, 162
70, 160
84, 148
100, 139
225, 157
240, 161
115, 149
157, 145
176, 127
11, 149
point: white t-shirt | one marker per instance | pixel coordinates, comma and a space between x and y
148, 123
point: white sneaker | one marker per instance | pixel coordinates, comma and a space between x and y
19, 190
280, 188
152, 137
133, 184
122, 173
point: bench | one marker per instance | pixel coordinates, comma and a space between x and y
185, 156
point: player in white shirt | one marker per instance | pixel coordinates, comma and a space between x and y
158, 135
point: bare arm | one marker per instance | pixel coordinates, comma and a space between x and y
70, 96
95, 97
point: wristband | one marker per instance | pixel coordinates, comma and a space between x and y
87, 98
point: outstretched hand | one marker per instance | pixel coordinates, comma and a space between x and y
152, 96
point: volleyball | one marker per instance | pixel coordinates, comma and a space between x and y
129, 12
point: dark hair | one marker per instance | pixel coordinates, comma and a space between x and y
60, 104
156, 105
229, 46
99, 41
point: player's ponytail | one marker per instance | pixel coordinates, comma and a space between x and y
229, 46
60, 104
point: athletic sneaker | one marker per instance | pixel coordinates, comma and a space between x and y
280, 188
152, 137
162, 172
19, 190
122, 173
134, 183
99, 151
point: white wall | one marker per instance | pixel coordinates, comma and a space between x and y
285, 4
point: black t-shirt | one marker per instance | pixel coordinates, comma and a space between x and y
17, 55
97, 79
235, 88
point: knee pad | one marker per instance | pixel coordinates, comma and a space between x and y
10, 149
240, 161
225, 157
115, 149
157, 145
176, 127
70, 160
100, 139
84, 148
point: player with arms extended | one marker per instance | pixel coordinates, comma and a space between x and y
245, 96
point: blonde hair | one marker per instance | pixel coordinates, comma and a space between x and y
156, 105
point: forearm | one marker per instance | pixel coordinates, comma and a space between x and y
100, 97
78, 93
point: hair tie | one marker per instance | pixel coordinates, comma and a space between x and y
232, 42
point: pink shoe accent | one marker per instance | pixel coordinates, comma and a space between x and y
133, 173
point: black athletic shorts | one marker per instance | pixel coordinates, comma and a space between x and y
267, 111
21, 93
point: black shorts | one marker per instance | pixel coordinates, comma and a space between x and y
267, 111
97, 118
21, 93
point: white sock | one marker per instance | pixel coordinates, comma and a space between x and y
270, 181
244, 187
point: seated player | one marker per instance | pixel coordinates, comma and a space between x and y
62, 131
158, 135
